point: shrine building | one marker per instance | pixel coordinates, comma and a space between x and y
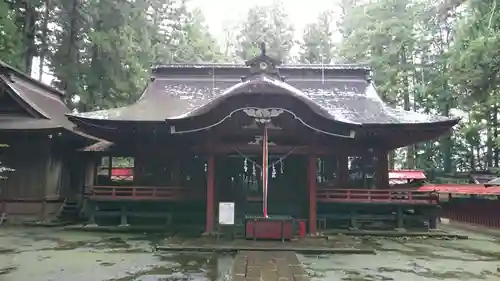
309, 142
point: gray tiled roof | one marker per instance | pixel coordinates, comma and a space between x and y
43, 99
349, 99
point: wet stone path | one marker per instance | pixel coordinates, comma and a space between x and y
52, 254
268, 266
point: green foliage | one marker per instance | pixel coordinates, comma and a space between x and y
318, 45
10, 36
100, 51
197, 45
269, 24
435, 59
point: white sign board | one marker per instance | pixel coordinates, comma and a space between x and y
226, 213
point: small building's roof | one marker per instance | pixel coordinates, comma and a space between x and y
99, 146
481, 177
407, 175
466, 189
44, 105
342, 93
493, 182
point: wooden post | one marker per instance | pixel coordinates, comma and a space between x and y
209, 227
433, 220
353, 213
399, 218
382, 170
343, 170
123, 216
92, 211
311, 177
43, 210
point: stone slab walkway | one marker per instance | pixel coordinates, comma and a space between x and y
268, 266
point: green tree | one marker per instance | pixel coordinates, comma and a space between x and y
476, 67
269, 24
67, 46
119, 54
103, 49
317, 41
381, 34
18, 23
196, 44
11, 45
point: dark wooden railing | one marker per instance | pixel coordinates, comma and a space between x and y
138, 193
376, 196
473, 211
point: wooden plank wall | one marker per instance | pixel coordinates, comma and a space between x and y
30, 160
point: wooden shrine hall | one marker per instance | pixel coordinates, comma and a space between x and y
39, 146
301, 141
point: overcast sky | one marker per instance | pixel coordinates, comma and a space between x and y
220, 13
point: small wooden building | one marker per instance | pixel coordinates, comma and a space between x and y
195, 138
42, 146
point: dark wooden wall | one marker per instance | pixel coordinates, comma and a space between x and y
41, 170
30, 159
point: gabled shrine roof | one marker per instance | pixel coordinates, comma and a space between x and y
44, 104
342, 93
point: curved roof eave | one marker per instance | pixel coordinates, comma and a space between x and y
91, 122
266, 85
449, 122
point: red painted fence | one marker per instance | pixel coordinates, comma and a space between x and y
137, 193
376, 196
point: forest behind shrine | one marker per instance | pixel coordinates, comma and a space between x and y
426, 56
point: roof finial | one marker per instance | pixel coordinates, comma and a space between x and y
262, 49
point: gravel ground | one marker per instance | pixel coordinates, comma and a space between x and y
415, 259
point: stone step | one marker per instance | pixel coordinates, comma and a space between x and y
268, 266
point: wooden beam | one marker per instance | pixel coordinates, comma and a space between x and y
209, 226
312, 186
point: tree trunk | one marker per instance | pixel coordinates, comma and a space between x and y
445, 100
446, 142
496, 151
410, 155
71, 78
27, 20
489, 138
44, 43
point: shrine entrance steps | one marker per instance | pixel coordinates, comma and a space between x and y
268, 266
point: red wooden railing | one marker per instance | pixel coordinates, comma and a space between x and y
137, 193
375, 196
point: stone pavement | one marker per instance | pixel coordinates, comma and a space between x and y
268, 266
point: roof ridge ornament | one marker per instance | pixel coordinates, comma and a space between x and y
263, 64
262, 49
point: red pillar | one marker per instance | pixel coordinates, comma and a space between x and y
311, 177
209, 226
